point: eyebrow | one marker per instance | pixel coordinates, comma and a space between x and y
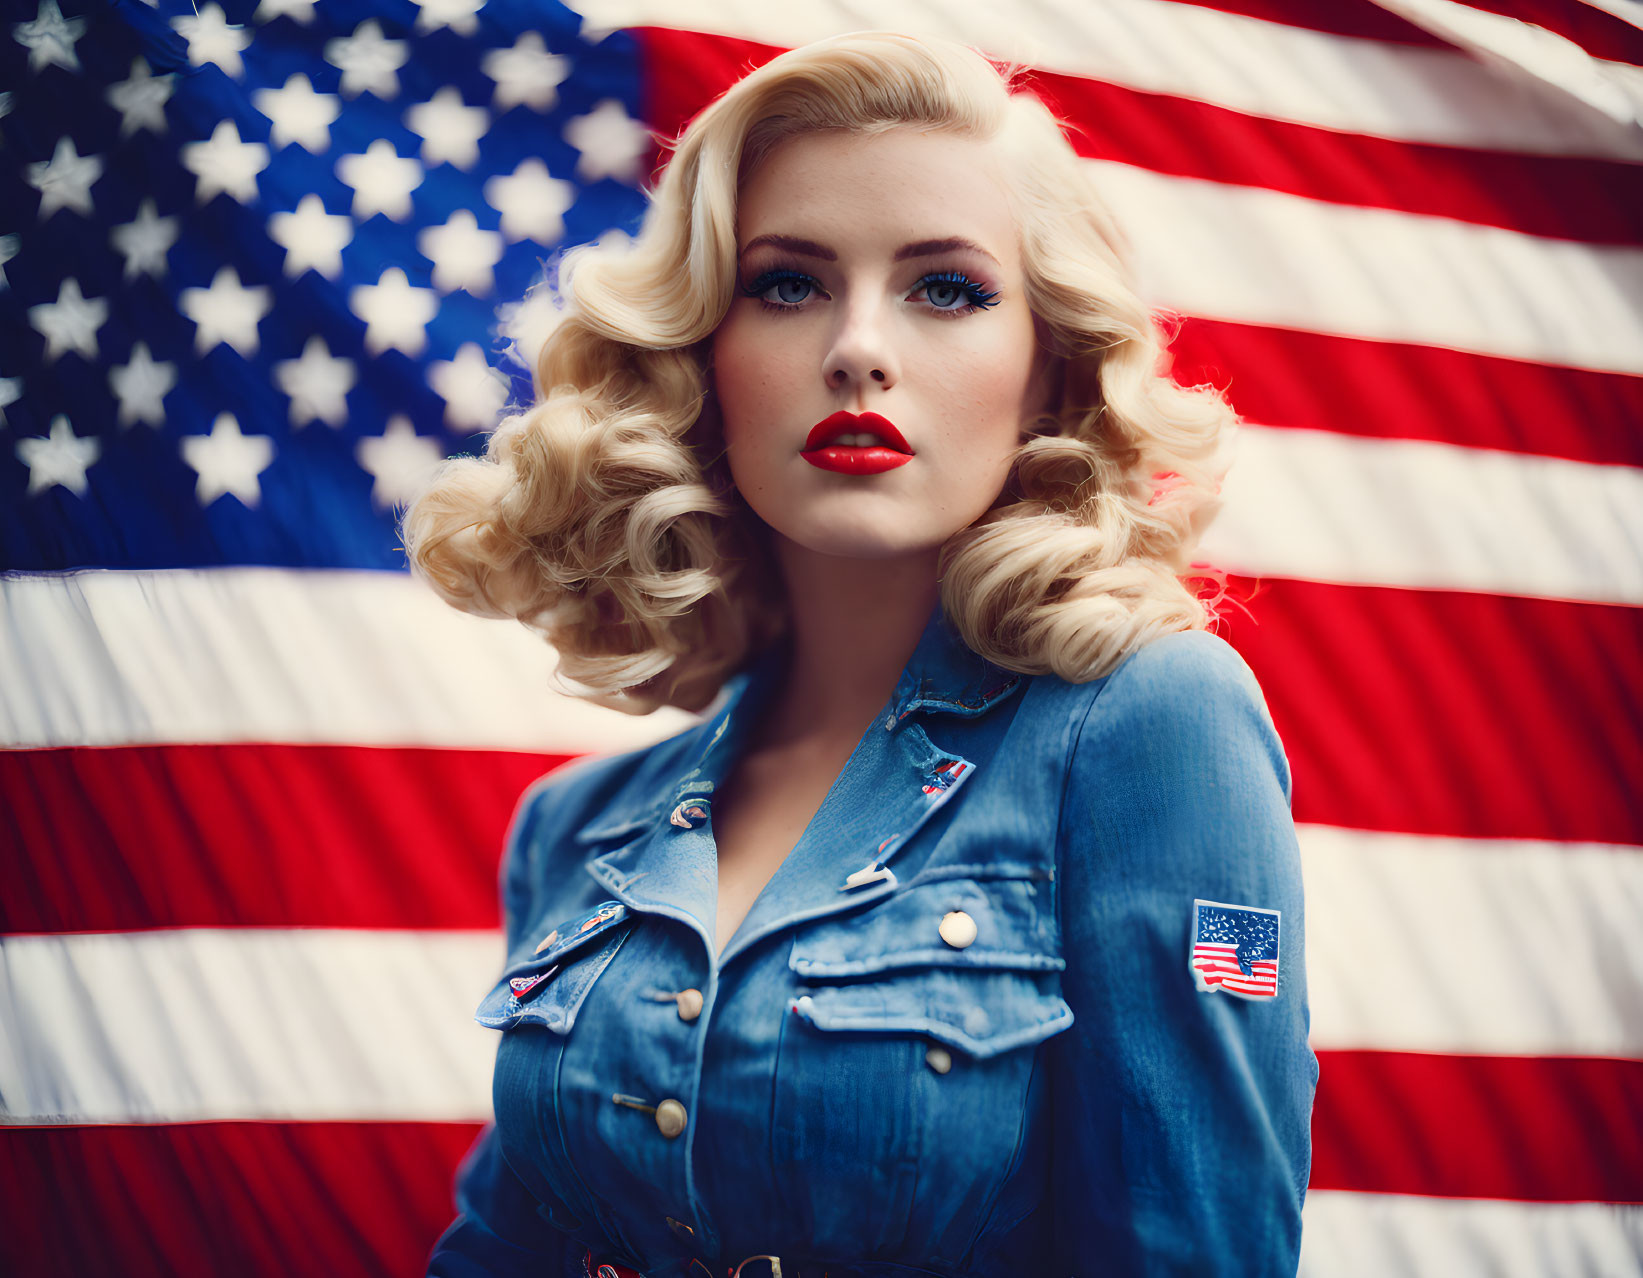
920, 248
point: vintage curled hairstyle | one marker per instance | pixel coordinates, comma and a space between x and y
604, 516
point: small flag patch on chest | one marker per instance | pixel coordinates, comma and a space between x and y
1234, 948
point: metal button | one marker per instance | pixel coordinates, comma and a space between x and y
958, 929
939, 1059
680, 1228
690, 1004
670, 1118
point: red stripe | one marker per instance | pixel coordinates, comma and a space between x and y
256, 1200
1601, 34
1563, 197
1444, 713
1390, 390
1546, 1129
1558, 196
137, 837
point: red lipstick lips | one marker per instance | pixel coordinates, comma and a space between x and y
855, 459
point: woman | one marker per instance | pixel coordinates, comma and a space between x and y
964, 936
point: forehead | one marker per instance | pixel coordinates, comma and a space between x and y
862, 192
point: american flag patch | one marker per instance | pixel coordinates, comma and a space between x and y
1235, 948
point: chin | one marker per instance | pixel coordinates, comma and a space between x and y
862, 539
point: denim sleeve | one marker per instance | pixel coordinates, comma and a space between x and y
1182, 1118
498, 1230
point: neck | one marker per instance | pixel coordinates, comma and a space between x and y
854, 625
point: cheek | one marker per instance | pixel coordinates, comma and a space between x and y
748, 368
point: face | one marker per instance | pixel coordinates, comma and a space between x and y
847, 300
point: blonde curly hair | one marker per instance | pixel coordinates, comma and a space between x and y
604, 517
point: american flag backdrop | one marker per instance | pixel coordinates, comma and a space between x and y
262, 263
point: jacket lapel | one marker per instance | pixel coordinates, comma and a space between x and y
895, 780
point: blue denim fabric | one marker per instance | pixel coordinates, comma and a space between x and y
1098, 1113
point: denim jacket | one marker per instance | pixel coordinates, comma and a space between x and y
967, 1028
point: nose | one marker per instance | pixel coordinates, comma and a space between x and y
861, 356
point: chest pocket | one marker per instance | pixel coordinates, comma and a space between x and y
965, 960
548, 986
907, 1051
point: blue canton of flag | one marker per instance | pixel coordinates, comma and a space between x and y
262, 264
1235, 948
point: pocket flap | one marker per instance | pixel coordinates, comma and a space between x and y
547, 987
982, 1013
1013, 917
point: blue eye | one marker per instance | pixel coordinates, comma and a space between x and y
942, 289
955, 286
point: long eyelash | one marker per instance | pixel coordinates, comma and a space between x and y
980, 298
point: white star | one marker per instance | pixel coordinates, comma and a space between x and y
368, 61
50, 37
458, 15
318, 384
526, 73
212, 38
60, 458
399, 460
227, 312
462, 254
297, 10
450, 131
225, 164
141, 99
526, 324
312, 237
65, 180
532, 203
11, 389
299, 113
71, 322
9, 245
141, 385
145, 241
396, 314
611, 141
473, 391
382, 180
228, 462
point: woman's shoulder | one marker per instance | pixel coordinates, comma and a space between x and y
1171, 678
1184, 701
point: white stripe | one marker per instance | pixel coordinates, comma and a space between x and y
276, 655
1258, 256
203, 1023
1247, 64
1401, 1236
1473, 946
1546, 57
1327, 507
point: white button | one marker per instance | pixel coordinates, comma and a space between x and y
958, 929
670, 1118
939, 1059
690, 1004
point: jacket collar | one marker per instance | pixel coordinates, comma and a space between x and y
943, 676
660, 855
